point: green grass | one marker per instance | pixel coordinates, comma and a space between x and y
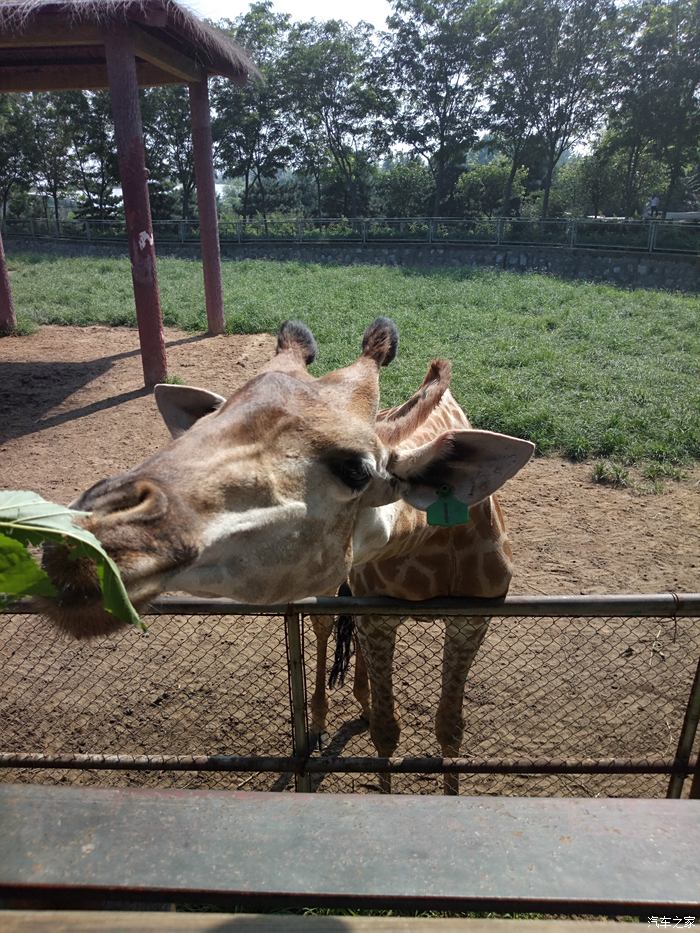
591, 371
611, 474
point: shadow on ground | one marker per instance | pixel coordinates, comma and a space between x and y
32, 390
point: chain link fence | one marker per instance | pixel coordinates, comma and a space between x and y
206, 700
646, 236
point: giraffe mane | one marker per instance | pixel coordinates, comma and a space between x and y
396, 424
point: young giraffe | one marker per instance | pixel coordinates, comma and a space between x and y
419, 562
286, 487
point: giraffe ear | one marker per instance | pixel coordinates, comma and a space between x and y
181, 406
473, 464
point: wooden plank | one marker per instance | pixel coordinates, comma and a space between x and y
86, 77
159, 53
548, 855
107, 921
41, 34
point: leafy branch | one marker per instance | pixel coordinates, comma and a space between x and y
28, 519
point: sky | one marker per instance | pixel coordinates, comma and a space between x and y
371, 11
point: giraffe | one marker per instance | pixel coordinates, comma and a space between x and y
292, 485
468, 560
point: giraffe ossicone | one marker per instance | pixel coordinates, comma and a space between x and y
293, 485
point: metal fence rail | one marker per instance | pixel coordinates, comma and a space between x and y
568, 696
645, 236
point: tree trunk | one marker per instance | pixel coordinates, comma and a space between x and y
5, 199
246, 194
186, 193
438, 178
263, 199
672, 181
631, 167
547, 187
508, 190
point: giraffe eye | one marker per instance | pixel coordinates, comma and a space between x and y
353, 471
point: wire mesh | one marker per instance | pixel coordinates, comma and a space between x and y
203, 685
540, 688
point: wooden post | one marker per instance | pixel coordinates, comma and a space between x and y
8, 320
206, 204
126, 111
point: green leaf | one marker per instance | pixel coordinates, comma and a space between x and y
27, 518
20, 575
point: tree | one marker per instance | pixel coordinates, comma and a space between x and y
167, 131
435, 53
250, 127
16, 140
48, 155
554, 58
511, 121
657, 108
480, 190
404, 188
93, 157
337, 103
619, 174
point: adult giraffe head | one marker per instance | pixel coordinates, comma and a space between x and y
272, 494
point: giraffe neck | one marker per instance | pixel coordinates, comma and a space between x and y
396, 553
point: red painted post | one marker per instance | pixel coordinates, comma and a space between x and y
206, 203
8, 320
126, 111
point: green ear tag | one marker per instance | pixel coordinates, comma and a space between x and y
448, 510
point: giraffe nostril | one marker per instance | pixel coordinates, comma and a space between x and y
151, 500
124, 499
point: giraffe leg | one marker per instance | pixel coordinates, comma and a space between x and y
360, 684
377, 639
322, 626
463, 637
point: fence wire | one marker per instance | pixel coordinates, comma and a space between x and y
204, 685
650, 235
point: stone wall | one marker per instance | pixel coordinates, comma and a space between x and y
636, 270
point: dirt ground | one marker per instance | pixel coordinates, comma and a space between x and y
73, 412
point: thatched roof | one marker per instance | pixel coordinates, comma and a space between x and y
165, 21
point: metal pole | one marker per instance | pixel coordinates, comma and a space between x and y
657, 605
297, 695
126, 111
686, 739
652, 236
695, 786
350, 765
206, 204
279, 764
8, 318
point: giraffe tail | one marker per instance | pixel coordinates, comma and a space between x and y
344, 631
